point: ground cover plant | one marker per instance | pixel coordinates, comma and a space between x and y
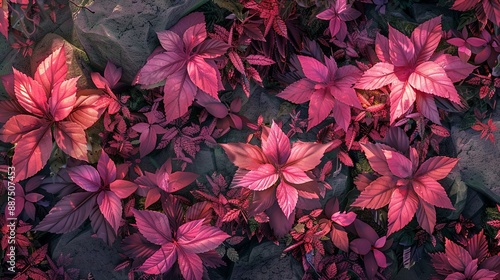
233, 130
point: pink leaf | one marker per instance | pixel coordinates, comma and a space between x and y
401, 49
342, 114
245, 156
402, 97
287, 198
203, 75
212, 48
193, 36
30, 94
32, 152
195, 237
161, 261
298, 92
426, 38
160, 67
69, 213
427, 107
375, 155
457, 256
346, 95
430, 78
322, 103
295, 175
111, 208
152, 196
426, 216
402, 208
112, 74
464, 5
454, 67
255, 59
84, 112
343, 219
179, 95
437, 168
62, 99
306, 156
380, 258
339, 238
431, 191
361, 246
52, 70
260, 179
179, 180
4, 22
377, 194
170, 41
147, 142
71, 138
379, 75
365, 231
237, 63
10, 108
382, 48
277, 145
313, 69
86, 177
477, 246
123, 188
399, 165
154, 226
17, 126
492, 11
190, 265
106, 168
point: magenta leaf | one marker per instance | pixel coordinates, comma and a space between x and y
52, 70
154, 226
161, 261
198, 238
287, 197
111, 208
86, 177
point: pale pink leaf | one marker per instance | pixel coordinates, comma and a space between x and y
379, 75
401, 49
84, 111
313, 69
179, 180
457, 256
399, 165
30, 94
123, 188
454, 67
245, 156
71, 138
260, 179
431, 191
437, 168
327, 14
193, 36
431, 78
86, 177
346, 95
287, 197
298, 92
306, 156
152, 196
52, 70
343, 219
402, 208
377, 194
382, 48
203, 75
154, 226
277, 145
190, 265
212, 48
375, 155
160, 67
178, 95
322, 103
32, 152
111, 208
63, 99
295, 175
170, 41
426, 216
402, 97
161, 261
195, 237
147, 142
426, 38
69, 213
17, 126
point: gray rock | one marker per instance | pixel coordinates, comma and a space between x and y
265, 261
124, 31
90, 255
479, 159
76, 59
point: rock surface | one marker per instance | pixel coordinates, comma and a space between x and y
126, 36
479, 159
265, 261
90, 255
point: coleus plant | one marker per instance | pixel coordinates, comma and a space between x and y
188, 245
415, 74
50, 109
408, 187
328, 88
277, 174
187, 65
102, 201
337, 14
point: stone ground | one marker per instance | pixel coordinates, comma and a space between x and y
111, 33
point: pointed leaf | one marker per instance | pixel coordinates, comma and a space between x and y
340, 239
322, 103
30, 94
260, 179
401, 49
69, 213
457, 256
375, 155
377, 194
179, 95
343, 219
194, 237
379, 75
160, 67
427, 107
342, 114
430, 78
361, 246
111, 208
245, 156
454, 67
203, 75
287, 197
194, 35
402, 97
426, 38
399, 165
402, 208
212, 48
277, 145
154, 226
52, 70
190, 265
298, 92
306, 156
123, 188
17, 126
431, 191
295, 175
382, 48
86, 177
63, 99
71, 138
313, 69
161, 261
426, 216
437, 168
106, 168
179, 180
84, 112
170, 41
